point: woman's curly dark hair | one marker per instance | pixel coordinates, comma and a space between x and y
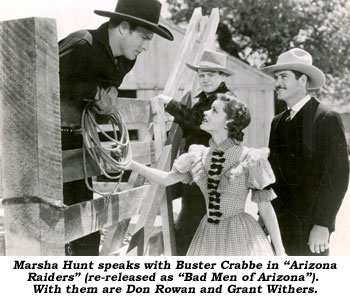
238, 115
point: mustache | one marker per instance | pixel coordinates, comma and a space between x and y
278, 87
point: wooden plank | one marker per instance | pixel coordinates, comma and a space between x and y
115, 233
173, 82
31, 113
2, 243
161, 201
32, 158
168, 227
1, 109
73, 161
150, 207
87, 217
135, 179
149, 213
133, 111
108, 187
115, 237
158, 126
207, 41
33, 228
130, 126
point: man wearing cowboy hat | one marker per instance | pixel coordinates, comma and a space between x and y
93, 64
308, 156
212, 72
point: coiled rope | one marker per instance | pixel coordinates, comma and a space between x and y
112, 157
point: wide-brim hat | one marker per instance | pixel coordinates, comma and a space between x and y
301, 61
144, 13
211, 61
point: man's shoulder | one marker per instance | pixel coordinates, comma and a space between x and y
78, 38
82, 34
324, 111
277, 117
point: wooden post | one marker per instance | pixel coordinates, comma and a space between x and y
1, 138
32, 157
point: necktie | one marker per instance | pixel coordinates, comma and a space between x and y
290, 114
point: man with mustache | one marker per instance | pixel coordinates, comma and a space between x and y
308, 156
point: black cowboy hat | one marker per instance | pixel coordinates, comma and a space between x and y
144, 13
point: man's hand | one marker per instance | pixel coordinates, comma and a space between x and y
319, 239
106, 100
165, 98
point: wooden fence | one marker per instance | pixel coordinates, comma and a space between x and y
34, 167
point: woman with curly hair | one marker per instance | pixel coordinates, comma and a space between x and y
226, 172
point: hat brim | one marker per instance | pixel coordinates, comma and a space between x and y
156, 28
209, 68
316, 76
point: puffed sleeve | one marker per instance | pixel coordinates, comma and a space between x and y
183, 165
182, 168
259, 175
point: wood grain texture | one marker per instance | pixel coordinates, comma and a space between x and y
174, 79
159, 128
150, 207
207, 42
1, 111
34, 229
115, 237
168, 228
32, 158
32, 161
156, 196
87, 217
2, 244
73, 161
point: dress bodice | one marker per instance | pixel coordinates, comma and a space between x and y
228, 172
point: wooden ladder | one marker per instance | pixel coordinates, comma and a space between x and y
202, 28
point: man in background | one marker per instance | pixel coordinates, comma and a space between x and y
308, 156
212, 72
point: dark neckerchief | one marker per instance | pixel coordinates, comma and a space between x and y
221, 89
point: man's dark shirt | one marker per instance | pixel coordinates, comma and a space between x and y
189, 119
86, 62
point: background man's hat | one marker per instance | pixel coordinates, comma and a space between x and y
211, 61
144, 13
301, 61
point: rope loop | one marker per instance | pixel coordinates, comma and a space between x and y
111, 157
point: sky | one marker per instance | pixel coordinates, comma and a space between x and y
70, 15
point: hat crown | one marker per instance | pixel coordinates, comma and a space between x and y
212, 59
301, 61
148, 10
296, 55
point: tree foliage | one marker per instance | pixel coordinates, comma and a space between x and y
258, 31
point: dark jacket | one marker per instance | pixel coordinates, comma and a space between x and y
310, 162
87, 61
189, 119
